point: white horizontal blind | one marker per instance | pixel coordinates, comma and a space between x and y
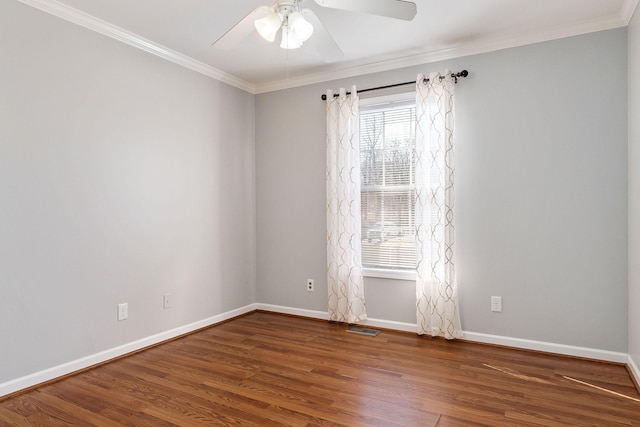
387, 144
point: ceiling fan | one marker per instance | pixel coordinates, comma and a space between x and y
297, 25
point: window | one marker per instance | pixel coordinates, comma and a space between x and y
387, 145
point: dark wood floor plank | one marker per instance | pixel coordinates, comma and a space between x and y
266, 369
10, 418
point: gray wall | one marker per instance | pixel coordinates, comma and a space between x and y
541, 193
634, 188
122, 177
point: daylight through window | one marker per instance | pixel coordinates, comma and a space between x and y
387, 142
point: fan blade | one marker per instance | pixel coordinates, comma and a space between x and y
321, 39
398, 9
241, 30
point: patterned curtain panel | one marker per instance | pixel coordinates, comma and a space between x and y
436, 288
344, 256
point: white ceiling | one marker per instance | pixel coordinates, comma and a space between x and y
183, 31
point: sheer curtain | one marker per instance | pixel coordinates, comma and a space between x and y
436, 287
344, 256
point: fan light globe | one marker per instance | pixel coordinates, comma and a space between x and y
301, 28
289, 39
268, 26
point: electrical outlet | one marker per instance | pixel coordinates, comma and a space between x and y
167, 298
496, 304
310, 285
123, 311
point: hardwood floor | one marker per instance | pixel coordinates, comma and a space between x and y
266, 369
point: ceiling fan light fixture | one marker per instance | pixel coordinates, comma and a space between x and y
268, 26
301, 28
289, 39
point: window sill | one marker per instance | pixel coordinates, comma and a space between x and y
389, 274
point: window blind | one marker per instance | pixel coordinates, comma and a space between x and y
387, 143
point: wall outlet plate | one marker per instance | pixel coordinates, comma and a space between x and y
123, 311
166, 300
496, 304
310, 285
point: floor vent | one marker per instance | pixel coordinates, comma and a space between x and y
363, 331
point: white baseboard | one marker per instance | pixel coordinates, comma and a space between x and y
313, 314
386, 324
633, 367
52, 373
566, 350
88, 361
390, 324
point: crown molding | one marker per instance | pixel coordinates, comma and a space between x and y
628, 8
353, 69
90, 22
462, 50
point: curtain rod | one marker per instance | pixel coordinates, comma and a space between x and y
455, 76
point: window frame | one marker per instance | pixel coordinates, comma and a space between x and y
385, 273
